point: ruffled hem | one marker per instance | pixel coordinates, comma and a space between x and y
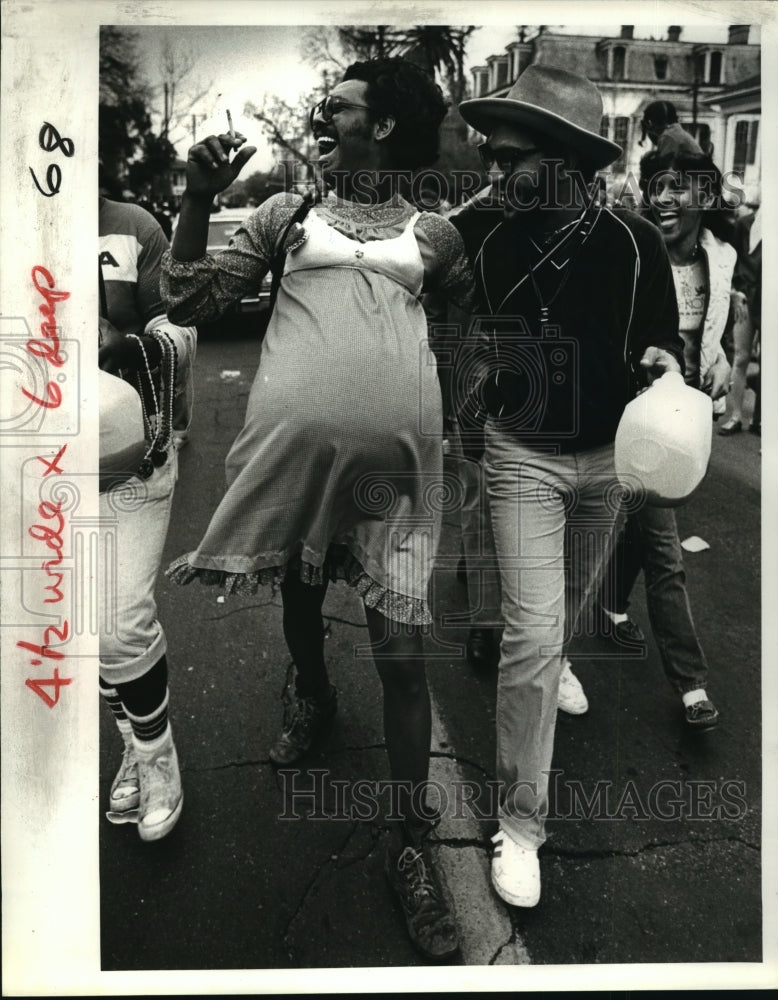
339, 565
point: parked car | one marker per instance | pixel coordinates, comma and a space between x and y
251, 314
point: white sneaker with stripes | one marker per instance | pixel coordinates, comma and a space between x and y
515, 871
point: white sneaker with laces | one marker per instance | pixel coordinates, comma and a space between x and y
125, 790
161, 795
571, 695
515, 871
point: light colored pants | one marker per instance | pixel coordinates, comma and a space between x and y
553, 518
483, 577
134, 521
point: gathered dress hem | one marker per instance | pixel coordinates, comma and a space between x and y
340, 564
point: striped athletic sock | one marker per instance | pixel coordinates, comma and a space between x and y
111, 697
149, 728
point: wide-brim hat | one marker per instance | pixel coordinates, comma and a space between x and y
564, 106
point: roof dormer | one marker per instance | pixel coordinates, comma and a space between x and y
614, 54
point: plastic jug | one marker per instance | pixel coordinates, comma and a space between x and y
663, 441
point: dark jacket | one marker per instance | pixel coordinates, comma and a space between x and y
609, 295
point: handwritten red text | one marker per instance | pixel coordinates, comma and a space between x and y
48, 345
50, 532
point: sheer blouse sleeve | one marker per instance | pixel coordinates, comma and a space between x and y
200, 290
447, 269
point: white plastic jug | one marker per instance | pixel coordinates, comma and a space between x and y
663, 441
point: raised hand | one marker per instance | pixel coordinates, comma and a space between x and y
209, 169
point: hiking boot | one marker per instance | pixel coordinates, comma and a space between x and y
430, 924
124, 798
161, 795
305, 719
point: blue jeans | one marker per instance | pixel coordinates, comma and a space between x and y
650, 542
552, 518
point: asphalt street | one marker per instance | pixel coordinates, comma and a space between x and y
653, 853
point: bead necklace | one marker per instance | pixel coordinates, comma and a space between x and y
159, 423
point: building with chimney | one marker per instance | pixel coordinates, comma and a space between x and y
715, 88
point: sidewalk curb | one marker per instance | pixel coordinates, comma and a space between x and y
485, 929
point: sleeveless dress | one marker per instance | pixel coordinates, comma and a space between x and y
337, 472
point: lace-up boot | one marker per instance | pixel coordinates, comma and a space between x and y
430, 924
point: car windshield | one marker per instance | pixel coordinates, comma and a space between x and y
220, 231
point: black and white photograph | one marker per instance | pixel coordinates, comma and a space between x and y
387, 548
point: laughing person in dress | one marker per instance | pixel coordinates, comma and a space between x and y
342, 438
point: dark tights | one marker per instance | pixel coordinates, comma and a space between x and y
304, 634
399, 658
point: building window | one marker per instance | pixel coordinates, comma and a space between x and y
617, 130
660, 67
619, 62
745, 146
621, 137
714, 71
502, 72
754, 132
741, 148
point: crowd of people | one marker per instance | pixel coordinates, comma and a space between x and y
347, 406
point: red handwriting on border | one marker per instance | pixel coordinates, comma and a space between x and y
51, 535
48, 346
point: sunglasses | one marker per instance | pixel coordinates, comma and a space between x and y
507, 158
331, 106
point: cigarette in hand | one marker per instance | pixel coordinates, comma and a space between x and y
229, 124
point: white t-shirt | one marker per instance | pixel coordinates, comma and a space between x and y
690, 291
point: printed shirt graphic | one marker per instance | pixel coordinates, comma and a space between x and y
131, 245
690, 290
131, 248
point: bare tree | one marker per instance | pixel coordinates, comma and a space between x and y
180, 91
322, 47
440, 49
287, 128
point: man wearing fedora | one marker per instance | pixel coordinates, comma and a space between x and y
582, 313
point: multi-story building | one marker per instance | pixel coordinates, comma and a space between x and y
715, 88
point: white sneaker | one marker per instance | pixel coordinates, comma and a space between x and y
125, 790
515, 871
571, 695
161, 795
